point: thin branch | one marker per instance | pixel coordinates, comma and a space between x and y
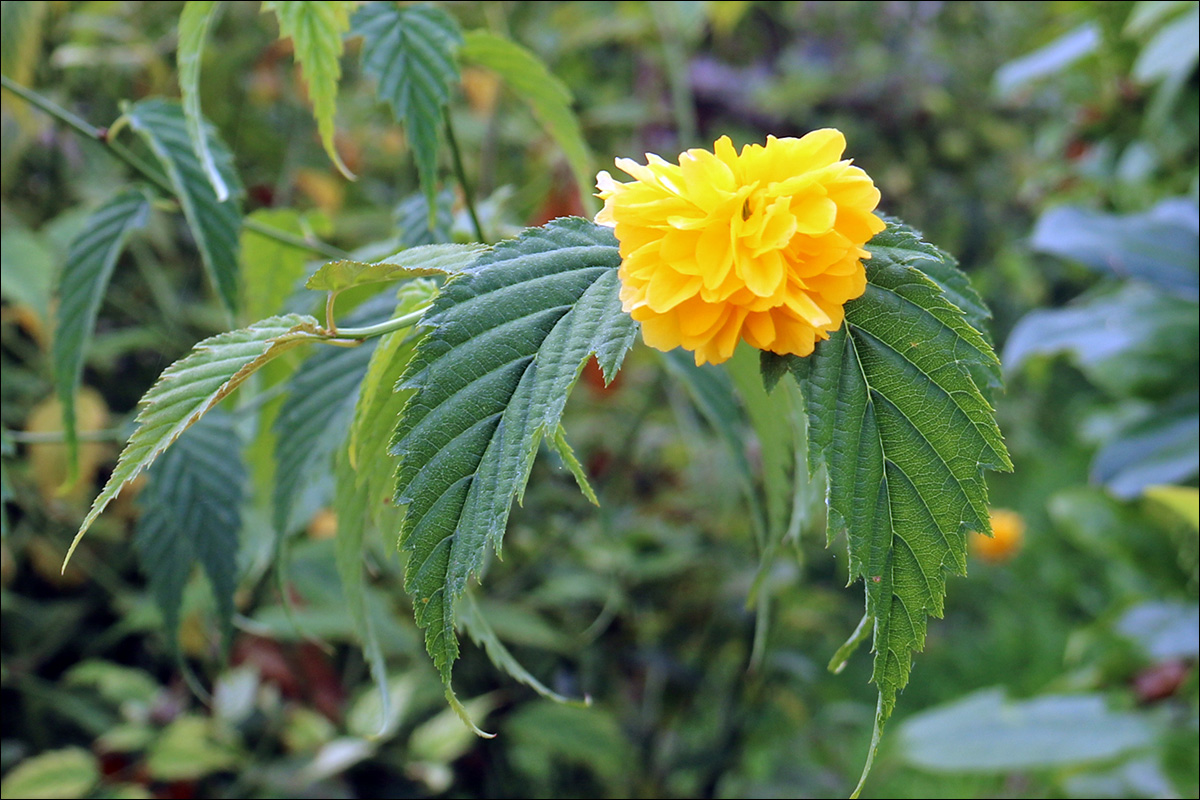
122, 153
461, 174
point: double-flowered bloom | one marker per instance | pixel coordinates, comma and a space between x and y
765, 245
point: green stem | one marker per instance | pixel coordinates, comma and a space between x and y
461, 174
122, 153
371, 331
54, 437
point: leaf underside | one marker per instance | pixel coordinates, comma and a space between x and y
316, 28
410, 52
897, 416
214, 223
90, 262
192, 514
189, 388
197, 17
507, 341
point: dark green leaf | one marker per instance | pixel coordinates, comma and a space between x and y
905, 435
214, 223
410, 52
197, 17
85, 277
508, 340
316, 28
192, 515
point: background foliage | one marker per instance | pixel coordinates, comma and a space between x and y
1051, 147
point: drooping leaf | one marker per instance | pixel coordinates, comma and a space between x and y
365, 473
85, 276
197, 17
547, 96
190, 387
316, 28
415, 262
314, 419
214, 223
508, 339
192, 515
905, 435
410, 52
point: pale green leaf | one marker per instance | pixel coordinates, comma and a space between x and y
547, 96
415, 262
508, 339
83, 282
190, 387
66, 773
905, 435
28, 270
316, 28
192, 514
410, 52
214, 223
197, 17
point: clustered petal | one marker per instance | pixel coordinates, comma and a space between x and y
765, 246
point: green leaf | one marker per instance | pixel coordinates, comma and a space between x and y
986, 732
508, 340
415, 262
21, 38
197, 17
547, 96
905, 435
271, 269
214, 222
412, 218
188, 750
316, 28
1165, 448
67, 773
190, 387
85, 277
28, 270
313, 420
365, 473
409, 51
192, 515
7, 449
477, 627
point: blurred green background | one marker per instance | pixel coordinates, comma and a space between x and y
1051, 146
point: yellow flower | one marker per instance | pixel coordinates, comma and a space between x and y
1008, 535
765, 246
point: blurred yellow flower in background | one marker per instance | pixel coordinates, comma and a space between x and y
1008, 535
765, 245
